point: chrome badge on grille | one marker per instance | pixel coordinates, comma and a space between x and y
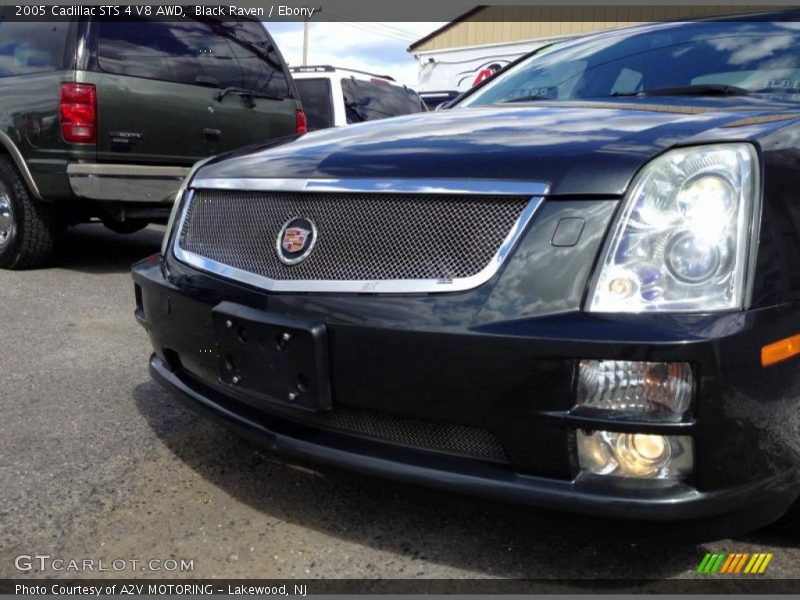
296, 240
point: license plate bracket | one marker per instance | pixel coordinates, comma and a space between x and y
281, 358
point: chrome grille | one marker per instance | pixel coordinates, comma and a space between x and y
361, 236
435, 436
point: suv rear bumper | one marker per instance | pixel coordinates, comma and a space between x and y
125, 183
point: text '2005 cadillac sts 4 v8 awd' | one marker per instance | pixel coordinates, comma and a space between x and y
577, 289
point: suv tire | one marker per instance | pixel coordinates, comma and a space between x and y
28, 227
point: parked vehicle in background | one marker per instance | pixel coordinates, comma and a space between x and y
102, 119
333, 96
434, 100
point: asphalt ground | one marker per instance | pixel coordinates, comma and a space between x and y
99, 462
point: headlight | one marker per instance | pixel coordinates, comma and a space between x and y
682, 241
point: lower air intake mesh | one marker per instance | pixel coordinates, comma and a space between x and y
446, 438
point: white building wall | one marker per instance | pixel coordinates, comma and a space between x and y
460, 68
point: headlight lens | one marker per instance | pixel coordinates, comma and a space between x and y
682, 240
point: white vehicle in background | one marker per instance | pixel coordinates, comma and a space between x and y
333, 96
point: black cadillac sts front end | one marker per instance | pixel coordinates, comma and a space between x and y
579, 303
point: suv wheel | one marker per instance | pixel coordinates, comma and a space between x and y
27, 226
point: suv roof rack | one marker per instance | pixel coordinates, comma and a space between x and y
330, 69
313, 69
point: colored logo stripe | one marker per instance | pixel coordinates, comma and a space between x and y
735, 563
711, 563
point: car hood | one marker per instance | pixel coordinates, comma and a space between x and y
577, 148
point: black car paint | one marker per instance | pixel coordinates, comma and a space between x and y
502, 356
580, 148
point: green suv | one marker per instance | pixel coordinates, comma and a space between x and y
102, 119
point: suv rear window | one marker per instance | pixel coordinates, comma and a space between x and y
207, 53
366, 101
315, 95
31, 47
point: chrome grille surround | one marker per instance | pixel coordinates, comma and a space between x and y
254, 265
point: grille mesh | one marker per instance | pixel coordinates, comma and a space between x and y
446, 438
360, 236
386, 427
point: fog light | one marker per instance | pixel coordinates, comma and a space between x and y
642, 455
635, 387
635, 454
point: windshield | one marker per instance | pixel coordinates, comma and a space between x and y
751, 57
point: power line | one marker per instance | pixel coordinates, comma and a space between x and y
350, 17
374, 27
372, 31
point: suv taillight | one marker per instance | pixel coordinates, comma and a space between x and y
78, 110
301, 123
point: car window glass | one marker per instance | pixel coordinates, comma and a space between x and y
195, 52
556, 82
156, 50
315, 96
753, 56
627, 82
257, 58
31, 47
366, 101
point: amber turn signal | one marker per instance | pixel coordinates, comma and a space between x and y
780, 350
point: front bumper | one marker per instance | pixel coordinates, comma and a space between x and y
479, 479
513, 379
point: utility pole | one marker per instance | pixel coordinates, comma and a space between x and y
305, 37
305, 43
